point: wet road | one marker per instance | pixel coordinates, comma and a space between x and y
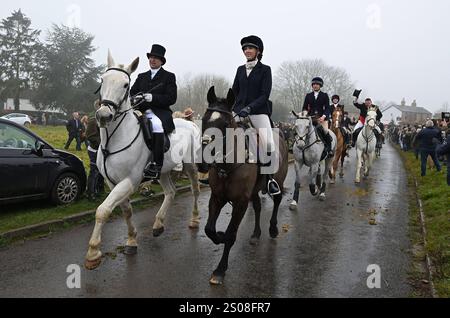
324, 251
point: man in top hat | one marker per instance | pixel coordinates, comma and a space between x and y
364, 109
252, 87
317, 104
159, 91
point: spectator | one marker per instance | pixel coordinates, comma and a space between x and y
189, 114
44, 119
444, 150
428, 139
74, 128
84, 122
96, 183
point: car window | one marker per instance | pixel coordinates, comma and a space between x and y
13, 137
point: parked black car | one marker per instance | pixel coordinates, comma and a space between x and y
32, 169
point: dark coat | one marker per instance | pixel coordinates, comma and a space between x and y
164, 96
254, 90
443, 150
93, 134
363, 111
428, 138
317, 107
72, 127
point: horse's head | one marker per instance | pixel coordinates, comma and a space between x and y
303, 126
337, 117
219, 114
371, 118
115, 91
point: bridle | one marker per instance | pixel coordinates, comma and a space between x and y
305, 137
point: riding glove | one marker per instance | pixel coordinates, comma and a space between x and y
245, 112
148, 98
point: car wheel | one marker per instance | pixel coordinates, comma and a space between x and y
27, 124
66, 189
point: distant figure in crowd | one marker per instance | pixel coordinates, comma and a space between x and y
96, 183
84, 122
189, 114
44, 119
74, 128
444, 150
428, 139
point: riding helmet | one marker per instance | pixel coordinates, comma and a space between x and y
317, 80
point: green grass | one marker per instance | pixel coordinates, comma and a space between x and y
435, 195
16, 216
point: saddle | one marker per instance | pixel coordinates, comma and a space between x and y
147, 130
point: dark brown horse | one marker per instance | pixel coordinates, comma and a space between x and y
236, 183
341, 147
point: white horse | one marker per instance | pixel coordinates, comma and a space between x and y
366, 146
123, 155
308, 149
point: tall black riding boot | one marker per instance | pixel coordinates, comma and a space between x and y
355, 136
329, 145
153, 169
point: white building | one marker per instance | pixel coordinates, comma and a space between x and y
404, 114
24, 105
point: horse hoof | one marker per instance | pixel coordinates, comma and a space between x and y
332, 182
130, 250
194, 225
254, 241
357, 181
158, 232
274, 232
293, 206
91, 265
322, 197
217, 280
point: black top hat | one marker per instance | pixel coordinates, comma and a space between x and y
158, 51
357, 93
317, 80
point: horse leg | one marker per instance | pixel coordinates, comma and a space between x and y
323, 186
313, 174
341, 174
239, 209
169, 195
294, 203
118, 195
257, 232
191, 171
358, 165
131, 246
215, 206
273, 230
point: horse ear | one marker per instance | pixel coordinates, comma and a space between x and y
295, 114
212, 98
231, 98
133, 66
111, 62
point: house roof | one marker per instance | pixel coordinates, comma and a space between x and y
410, 109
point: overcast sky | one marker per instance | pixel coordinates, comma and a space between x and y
392, 48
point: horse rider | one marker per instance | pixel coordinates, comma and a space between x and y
364, 109
252, 87
317, 104
345, 121
159, 91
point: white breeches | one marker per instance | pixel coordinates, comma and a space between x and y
262, 124
156, 122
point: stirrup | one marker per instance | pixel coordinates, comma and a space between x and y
152, 172
273, 181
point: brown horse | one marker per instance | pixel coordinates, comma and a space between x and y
235, 183
341, 148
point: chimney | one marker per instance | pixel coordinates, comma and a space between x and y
414, 104
403, 102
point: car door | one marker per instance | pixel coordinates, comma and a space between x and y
22, 171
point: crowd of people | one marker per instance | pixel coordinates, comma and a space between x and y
428, 141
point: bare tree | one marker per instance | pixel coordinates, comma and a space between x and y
192, 90
293, 81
